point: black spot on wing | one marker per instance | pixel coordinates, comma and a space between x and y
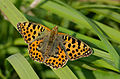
33, 37
29, 24
79, 42
65, 37
67, 49
69, 45
69, 38
38, 27
73, 40
34, 26
41, 29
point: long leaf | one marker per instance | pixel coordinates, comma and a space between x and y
64, 74
98, 6
11, 12
107, 13
22, 67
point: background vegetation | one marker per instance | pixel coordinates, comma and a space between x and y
95, 22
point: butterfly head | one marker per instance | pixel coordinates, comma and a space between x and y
53, 34
55, 30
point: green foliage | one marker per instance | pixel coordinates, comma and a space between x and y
22, 67
102, 22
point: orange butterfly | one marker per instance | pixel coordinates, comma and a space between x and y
50, 47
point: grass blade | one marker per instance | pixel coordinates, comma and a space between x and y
22, 67
96, 74
107, 13
98, 6
11, 12
64, 74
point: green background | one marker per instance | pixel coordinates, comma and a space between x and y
96, 22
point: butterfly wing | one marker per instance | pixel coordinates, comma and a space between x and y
75, 48
31, 31
34, 35
34, 53
57, 61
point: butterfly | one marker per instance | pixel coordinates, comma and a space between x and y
50, 47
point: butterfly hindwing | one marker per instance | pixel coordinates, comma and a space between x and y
57, 61
34, 52
75, 48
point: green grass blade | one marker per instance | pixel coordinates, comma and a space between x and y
107, 13
98, 6
22, 67
96, 74
102, 54
14, 16
101, 74
11, 12
110, 32
63, 72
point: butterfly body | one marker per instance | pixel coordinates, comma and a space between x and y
52, 42
50, 47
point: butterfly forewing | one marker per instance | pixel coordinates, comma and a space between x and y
31, 31
33, 34
75, 48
